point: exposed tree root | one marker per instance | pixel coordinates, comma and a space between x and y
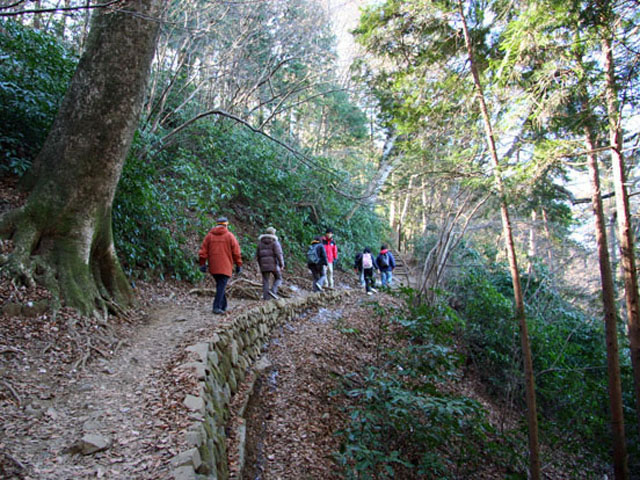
42, 256
202, 291
11, 350
81, 363
13, 391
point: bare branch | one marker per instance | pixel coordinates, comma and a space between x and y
54, 10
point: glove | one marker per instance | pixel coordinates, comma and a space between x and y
203, 268
238, 269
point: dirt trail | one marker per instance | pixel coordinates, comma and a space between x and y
292, 418
131, 396
131, 400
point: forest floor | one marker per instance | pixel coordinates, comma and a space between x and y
120, 382
70, 384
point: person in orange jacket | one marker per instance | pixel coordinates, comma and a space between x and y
220, 250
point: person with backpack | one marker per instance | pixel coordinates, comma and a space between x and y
220, 250
271, 262
332, 255
365, 263
317, 261
386, 264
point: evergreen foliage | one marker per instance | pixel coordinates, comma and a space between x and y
35, 70
568, 350
227, 169
403, 422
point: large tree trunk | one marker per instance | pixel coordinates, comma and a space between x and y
532, 419
609, 304
625, 233
63, 235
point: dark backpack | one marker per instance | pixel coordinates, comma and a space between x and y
312, 254
383, 260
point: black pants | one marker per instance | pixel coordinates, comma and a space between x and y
368, 278
220, 302
317, 272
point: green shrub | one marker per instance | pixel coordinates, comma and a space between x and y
568, 349
401, 423
35, 71
226, 169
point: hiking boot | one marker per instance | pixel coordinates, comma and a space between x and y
218, 311
273, 295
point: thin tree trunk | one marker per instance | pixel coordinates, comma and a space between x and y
63, 233
425, 204
386, 167
36, 16
614, 245
609, 303
533, 247
547, 233
392, 212
625, 234
532, 420
407, 198
85, 25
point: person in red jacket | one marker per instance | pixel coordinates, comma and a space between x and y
330, 247
220, 250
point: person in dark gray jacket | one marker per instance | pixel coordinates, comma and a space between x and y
271, 262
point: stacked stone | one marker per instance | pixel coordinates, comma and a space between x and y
224, 362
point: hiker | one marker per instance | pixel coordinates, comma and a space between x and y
365, 263
358, 259
271, 262
386, 263
220, 250
317, 262
331, 250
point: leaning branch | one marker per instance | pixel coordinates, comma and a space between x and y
53, 10
577, 201
309, 162
595, 150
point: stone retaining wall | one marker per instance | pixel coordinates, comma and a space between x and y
223, 363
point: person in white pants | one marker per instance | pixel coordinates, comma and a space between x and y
331, 249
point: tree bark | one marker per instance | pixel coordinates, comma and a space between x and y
533, 244
625, 233
63, 235
547, 232
532, 419
608, 300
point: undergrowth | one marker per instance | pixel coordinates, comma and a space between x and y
35, 70
228, 170
405, 420
569, 357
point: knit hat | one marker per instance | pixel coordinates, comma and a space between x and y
271, 231
222, 220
